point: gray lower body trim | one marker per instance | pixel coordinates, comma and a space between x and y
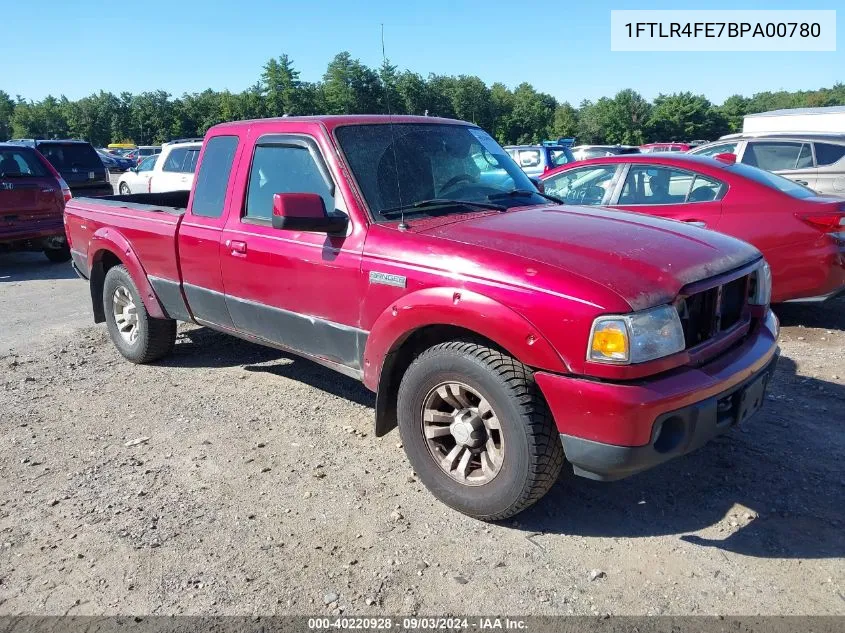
169, 293
79, 263
352, 372
334, 345
208, 305
311, 336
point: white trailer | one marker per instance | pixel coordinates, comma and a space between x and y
830, 120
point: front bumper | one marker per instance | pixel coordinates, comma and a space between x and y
613, 430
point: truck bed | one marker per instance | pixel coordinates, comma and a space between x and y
173, 202
144, 223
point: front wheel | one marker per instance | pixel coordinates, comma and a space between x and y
136, 335
124, 189
477, 430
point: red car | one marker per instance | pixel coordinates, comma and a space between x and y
32, 198
651, 148
801, 234
503, 333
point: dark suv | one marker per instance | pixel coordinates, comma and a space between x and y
77, 162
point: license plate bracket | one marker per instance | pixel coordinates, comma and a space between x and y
751, 399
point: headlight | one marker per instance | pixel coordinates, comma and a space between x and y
760, 292
636, 337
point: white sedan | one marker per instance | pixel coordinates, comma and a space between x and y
137, 180
171, 170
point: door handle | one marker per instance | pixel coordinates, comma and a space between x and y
802, 182
698, 223
236, 247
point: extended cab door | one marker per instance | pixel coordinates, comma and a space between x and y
201, 230
671, 193
297, 290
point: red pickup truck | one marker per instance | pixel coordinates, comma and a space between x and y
504, 333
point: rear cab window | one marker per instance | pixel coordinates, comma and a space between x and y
213, 178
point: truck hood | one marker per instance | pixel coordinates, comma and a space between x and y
643, 259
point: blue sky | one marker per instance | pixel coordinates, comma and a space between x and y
560, 46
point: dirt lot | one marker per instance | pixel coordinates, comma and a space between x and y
232, 479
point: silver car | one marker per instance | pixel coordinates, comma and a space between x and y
814, 160
536, 160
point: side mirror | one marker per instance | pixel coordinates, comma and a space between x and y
305, 212
539, 184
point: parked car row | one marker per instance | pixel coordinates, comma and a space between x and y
816, 161
801, 234
30, 207
32, 197
115, 162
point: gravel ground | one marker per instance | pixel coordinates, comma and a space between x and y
233, 479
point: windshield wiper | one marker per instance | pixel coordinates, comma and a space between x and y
525, 192
439, 202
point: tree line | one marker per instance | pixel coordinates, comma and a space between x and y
519, 115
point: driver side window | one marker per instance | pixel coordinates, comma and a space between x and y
147, 164
587, 185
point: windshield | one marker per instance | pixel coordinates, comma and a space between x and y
70, 155
402, 164
774, 181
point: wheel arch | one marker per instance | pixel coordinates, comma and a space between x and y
432, 316
107, 249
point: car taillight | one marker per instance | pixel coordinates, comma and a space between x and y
66, 194
832, 223
150, 184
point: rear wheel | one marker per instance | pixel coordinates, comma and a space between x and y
58, 255
477, 430
136, 335
124, 189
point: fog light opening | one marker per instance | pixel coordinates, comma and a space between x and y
669, 435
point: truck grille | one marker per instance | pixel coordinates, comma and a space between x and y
705, 314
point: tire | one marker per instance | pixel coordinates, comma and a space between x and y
58, 255
530, 455
153, 338
123, 189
